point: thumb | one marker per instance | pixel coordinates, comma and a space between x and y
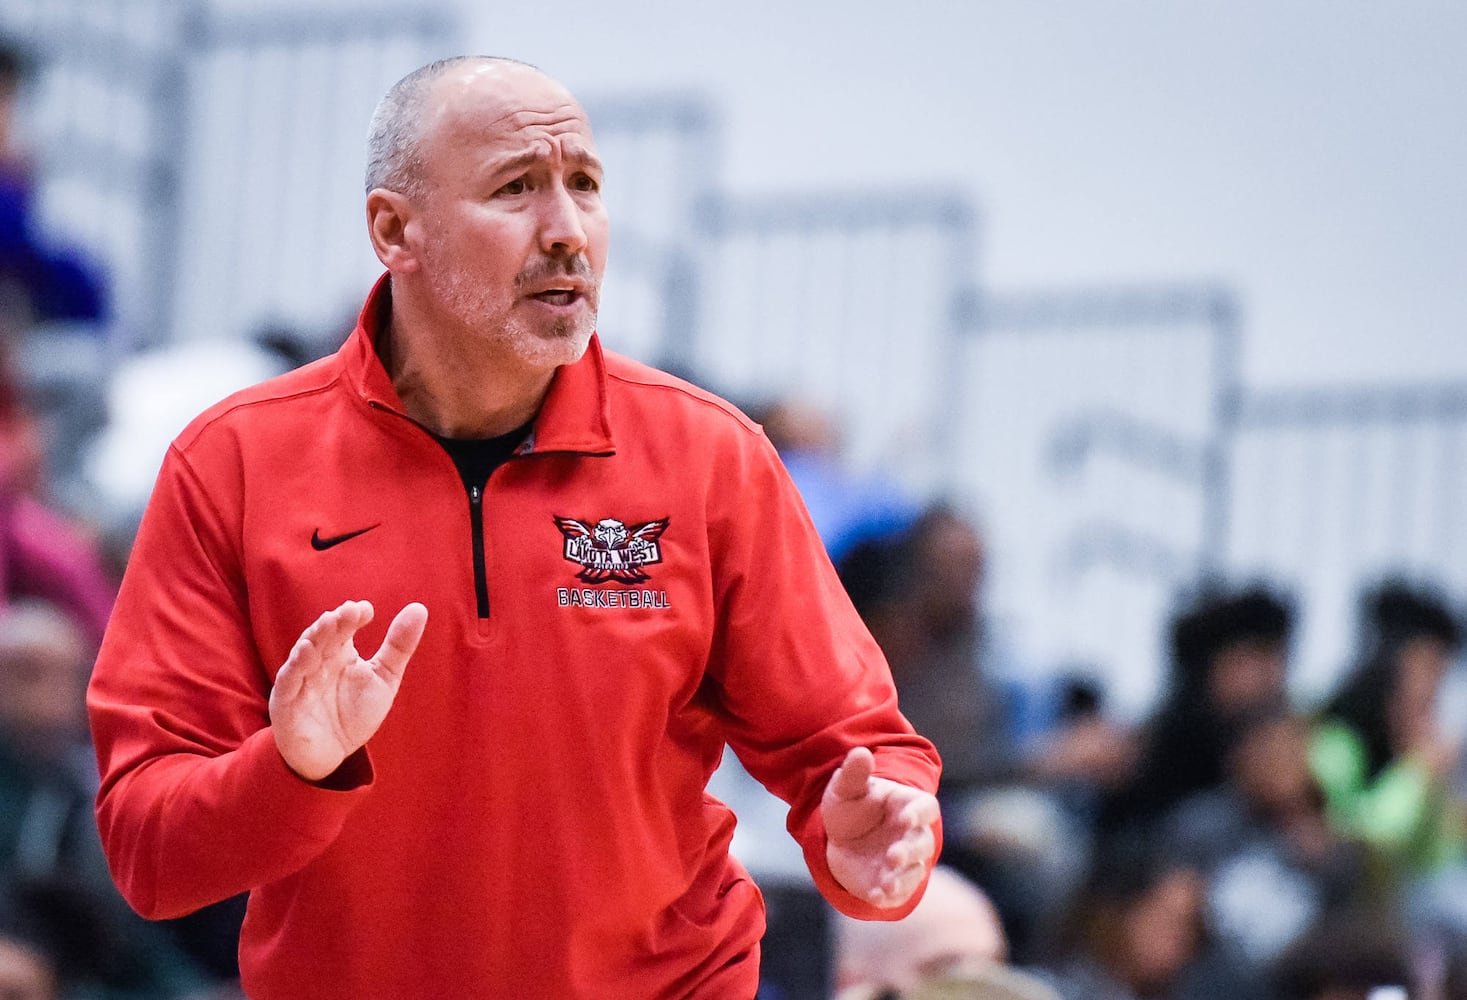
401, 641
851, 780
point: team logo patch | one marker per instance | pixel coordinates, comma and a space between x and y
610, 551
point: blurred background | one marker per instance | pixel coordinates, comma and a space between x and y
1159, 302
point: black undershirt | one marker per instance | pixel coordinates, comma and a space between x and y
476, 458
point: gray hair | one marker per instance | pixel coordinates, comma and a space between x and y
392, 138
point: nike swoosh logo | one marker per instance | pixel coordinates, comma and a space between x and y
322, 544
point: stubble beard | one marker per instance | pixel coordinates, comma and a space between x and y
560, 341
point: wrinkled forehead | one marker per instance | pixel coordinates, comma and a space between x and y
504, 104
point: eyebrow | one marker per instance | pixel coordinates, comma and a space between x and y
578, 157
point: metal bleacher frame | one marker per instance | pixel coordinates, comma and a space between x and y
120, 96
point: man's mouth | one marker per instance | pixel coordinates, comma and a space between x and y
557, 296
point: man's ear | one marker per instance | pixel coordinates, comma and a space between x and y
388, 216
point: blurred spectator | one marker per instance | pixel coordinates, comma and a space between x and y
918, 592
48, 833
845, 507
951, 946
1138, 931
1229, 659
1379, 753
954, 929
39, 281
41, 553
1273, 866
1388, 767
46, 779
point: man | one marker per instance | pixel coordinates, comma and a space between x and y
951, 947
603, 574
1229, 662
954, 931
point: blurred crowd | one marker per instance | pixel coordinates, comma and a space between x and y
1235, 844
1232, 845
64, 930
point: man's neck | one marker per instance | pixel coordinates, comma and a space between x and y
455, 382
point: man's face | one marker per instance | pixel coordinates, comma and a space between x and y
43, 690
1270, 766
1247, 674
952, 569
510, 230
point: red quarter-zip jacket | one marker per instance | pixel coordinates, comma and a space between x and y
636, 586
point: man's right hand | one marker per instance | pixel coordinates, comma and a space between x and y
328, 701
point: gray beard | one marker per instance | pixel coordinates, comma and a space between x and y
561, 343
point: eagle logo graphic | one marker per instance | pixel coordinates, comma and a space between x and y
610, 551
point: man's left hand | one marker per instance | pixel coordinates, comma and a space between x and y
878, 832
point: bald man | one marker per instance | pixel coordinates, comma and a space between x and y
951, 947
593, 575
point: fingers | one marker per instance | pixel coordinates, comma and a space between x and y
904, 866
919, 814
906, 859
291, 677
401, 642
914, 842
915, 848
880, 833
319, 640
897, 887
852, 779
339, 624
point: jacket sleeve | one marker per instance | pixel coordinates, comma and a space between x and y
799, 678
196, 804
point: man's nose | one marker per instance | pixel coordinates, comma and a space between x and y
562, 229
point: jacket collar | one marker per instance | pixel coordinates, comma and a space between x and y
574, 418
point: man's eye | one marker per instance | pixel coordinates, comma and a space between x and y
585, 182
516, 186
